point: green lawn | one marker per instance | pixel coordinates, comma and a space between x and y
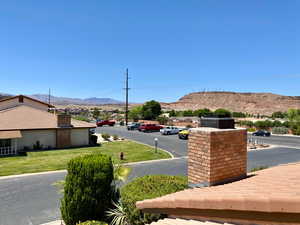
58, 159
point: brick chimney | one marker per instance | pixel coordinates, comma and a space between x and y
216, 156
64, 120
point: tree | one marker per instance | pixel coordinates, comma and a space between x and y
188, 113
202, 112
96, 113
151, 110
172, 113
222, 113
163, 120
136, 113
278, 114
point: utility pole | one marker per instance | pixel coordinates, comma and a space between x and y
49, 97
126, 103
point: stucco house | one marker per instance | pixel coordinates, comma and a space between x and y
25, 123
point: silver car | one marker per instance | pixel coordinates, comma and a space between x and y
169, 130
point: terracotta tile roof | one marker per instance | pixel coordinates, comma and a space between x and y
275, 189
25, 117
168, 221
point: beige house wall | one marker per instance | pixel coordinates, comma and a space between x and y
15, 102
35, 104
47, 138
80, 137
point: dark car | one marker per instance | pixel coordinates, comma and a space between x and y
263, 133
133, 126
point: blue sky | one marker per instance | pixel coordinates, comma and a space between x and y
82, 48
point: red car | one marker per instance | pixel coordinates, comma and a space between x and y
101, 123
150, 127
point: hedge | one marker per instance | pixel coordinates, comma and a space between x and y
148, 187
87, 189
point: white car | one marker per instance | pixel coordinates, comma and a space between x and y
169, 130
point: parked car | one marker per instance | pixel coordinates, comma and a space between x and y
101, 123
149, 127
133, 126
169, 130
263, 133
184, 134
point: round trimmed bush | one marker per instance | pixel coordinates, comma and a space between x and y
87, 189
280, 130
148, 187
92, 222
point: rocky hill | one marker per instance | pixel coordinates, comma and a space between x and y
255, 103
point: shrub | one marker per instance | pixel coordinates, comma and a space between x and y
296, 130
92, 222
115, 137
122, 123
258, 168
105, 136
280, 130
87, 188
148, 187
222, 113
251, 129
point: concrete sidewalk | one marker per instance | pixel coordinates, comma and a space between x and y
57, 222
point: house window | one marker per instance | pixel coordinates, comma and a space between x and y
5, 143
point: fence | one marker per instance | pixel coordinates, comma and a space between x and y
11, 150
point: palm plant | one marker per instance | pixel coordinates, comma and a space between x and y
118, 214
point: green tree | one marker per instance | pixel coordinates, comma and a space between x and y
172, 113
222, 113
151, 110
188, 113
202, 112
96, 113
278, 114
136, 113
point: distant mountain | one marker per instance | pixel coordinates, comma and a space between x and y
254, 103
75, 101
4, 95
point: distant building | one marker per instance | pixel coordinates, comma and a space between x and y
26, 124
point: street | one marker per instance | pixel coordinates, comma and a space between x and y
32, 200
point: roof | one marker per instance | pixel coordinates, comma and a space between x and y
33, 99
169, 221
10, 134
273, 190
24, 117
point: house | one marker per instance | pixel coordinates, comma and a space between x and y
221, 191
25, 123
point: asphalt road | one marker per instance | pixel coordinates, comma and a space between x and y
33, 200
170, 143
178, 147
29, 200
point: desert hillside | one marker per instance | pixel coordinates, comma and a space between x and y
256, 103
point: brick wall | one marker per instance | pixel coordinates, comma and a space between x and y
63, 120
216, 156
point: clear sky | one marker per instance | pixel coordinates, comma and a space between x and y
82, 48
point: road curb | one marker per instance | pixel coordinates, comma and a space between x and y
32, 174
172, 156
